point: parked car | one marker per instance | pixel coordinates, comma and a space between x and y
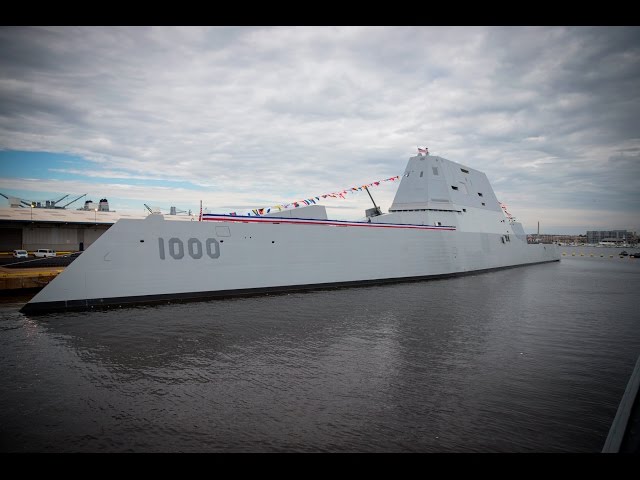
44, 252
20, 254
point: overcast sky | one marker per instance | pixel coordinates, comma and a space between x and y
244, 118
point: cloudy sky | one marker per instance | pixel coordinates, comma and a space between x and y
244, 118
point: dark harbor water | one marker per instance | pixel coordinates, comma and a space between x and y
531, 359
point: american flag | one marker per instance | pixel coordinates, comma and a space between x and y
423, 150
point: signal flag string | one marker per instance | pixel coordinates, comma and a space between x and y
316, 199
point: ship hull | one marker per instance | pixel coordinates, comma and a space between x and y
158, 261
110, 302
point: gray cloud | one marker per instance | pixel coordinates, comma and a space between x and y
549, 113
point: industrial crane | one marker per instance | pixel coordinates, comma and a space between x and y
22, 202
54, 202
47, 204
83, 195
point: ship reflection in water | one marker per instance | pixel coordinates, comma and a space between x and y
531, 359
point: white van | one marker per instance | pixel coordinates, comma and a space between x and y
44, 252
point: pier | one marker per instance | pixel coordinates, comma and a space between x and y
16, 279
624, 434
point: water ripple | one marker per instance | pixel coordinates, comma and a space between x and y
524, 360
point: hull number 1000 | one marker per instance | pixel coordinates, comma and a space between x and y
176, 249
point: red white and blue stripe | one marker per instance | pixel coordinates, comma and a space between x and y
212, 217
